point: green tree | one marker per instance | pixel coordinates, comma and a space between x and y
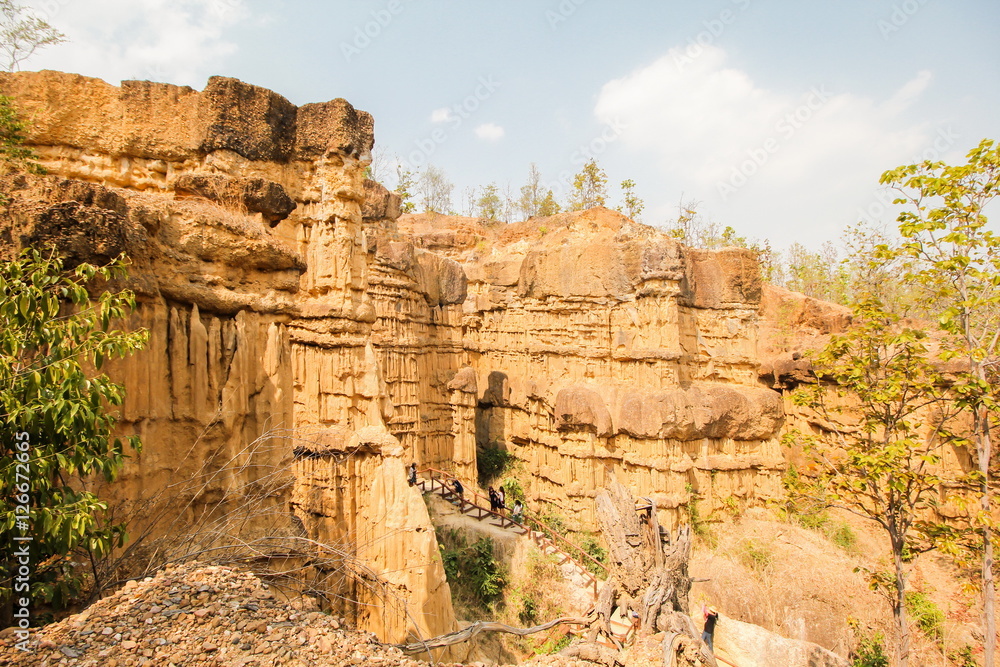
692, 229
730, 239
820, 274
945, 231
56, 424
548, 205
590, 188
22, 33
884, 279
685, 227
879, 459
488, 204
405, 184
632, 205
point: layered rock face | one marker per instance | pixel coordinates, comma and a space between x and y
242, 215
595, 344
418, 335
306, 346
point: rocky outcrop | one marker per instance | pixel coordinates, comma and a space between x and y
602, 345
750, 645
308, 342
242, 216
195, 614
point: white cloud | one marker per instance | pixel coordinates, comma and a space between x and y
175, 41
489, 132
769, 161
442, 115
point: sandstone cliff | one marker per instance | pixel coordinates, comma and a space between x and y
243, 216
308, 342
595, 344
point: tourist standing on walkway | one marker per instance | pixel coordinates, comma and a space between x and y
708, 634
494, 500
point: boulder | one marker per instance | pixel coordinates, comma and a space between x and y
256, 195
701, 411
442, 280
750, 645
464, 381
582, 408
257, 123
724, 278
380, 204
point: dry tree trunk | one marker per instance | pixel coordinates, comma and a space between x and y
648, 576
649, 570
648, 573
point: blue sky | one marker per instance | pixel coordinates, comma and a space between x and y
778, 117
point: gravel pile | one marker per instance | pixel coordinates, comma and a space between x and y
206, 615
195, 614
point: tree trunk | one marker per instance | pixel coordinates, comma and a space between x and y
984, 450
648, 566
899, 607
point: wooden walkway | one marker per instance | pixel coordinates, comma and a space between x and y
549, 542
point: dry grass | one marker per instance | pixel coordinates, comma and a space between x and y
801, 583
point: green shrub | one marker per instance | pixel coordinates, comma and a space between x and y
529, 611
963, 657
799, 506
698, 524
731, 506
554, 521
869, 652
757, 558
843, 536
489, 575
513, 490
492, 461
555, 644
927, 615
13, 129
594, 549
477, 578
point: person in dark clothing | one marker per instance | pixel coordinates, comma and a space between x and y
501, 500
413, 474
708, 634
459, 490
494, 504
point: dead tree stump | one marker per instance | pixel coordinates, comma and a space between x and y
648, 569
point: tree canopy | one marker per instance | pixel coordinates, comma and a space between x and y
56, 412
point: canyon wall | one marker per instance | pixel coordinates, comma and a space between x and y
308, 342
594, 344
243, 218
